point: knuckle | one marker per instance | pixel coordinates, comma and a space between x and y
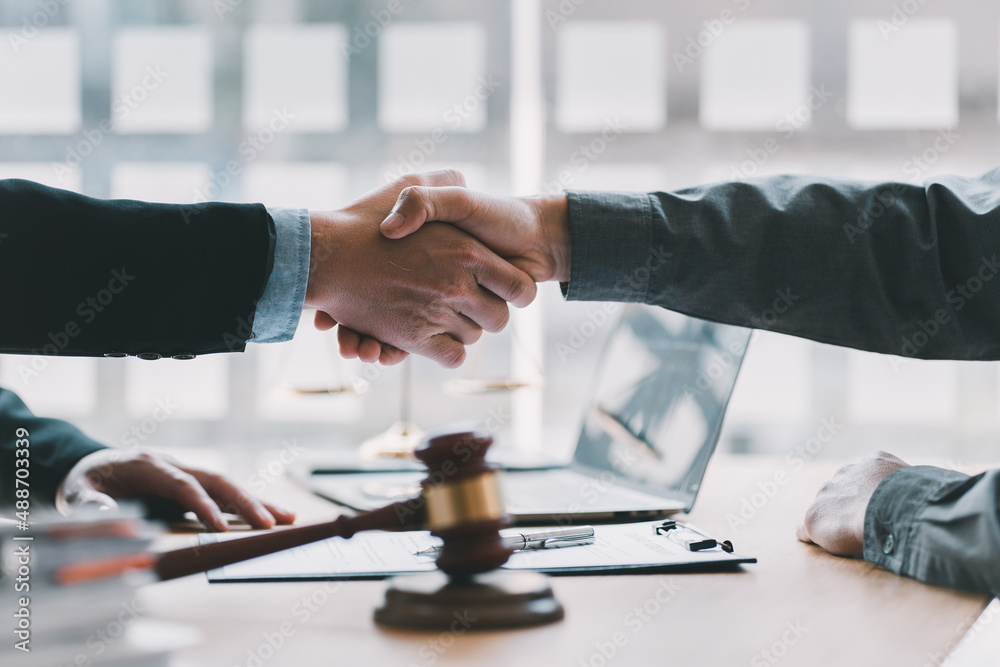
500, 318
518, 289
145, 456
811, 517
452, 176
453, 356
410, 180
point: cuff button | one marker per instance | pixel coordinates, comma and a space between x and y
186, 356
149, 356
889, 544
115, 354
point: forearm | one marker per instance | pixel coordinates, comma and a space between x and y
97, 277
888, 268
938, 526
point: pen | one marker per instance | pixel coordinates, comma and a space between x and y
543, 539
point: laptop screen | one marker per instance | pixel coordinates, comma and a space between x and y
660, 394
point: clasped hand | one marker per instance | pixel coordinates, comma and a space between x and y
430, 293
416, 285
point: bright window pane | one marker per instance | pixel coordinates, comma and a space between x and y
309, 362
636, 177
432, 76
316, 185
756, 77
44, 173
40, 80
52, 386
902, 78
774, 381
892, 390
610, 73
162, 80
298, 68
170, 182
475, 173
168, 389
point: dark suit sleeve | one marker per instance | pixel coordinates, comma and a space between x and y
55, 447
939, 526
884, 267
82, 276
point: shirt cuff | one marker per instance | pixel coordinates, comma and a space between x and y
612, 256
892, 520
280, 307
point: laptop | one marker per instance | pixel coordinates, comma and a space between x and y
658, 401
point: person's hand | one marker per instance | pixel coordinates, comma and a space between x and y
431, 293
532, 233
836, 519
99, 478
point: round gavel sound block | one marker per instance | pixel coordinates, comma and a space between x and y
463, 506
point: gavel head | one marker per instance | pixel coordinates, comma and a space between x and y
462, 501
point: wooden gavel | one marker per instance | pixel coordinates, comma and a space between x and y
459, 501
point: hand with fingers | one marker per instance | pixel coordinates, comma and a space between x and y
431, 293
107, 475
836, 519
532, 233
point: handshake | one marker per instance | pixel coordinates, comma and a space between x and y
414, 284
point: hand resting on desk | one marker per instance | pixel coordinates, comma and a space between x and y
836, 519
99, 478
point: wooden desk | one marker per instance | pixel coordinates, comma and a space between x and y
797, 606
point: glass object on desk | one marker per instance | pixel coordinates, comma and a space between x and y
402, 437
477, 383
336, 385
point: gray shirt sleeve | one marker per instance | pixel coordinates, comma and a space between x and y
938, 526
885, 267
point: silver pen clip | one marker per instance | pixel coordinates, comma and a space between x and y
556, 538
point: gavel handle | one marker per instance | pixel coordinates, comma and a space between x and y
205, 557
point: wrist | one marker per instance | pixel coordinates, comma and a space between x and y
322, 246
553, 217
